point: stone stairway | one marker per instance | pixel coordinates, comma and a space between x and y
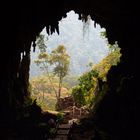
63, 132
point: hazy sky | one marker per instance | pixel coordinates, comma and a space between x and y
83, 42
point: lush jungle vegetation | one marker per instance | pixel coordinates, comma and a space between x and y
56, 82
74, 67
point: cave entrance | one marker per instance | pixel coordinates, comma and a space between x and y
73, 60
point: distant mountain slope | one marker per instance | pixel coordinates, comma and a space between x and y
83, 42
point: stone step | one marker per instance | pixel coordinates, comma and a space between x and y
62, 132
64, 126
61, 137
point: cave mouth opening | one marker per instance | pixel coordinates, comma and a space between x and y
90, 58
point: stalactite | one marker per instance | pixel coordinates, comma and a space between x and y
52, 29
94, 24
84, 18
48, 29
80, 16
57, 27
34, 45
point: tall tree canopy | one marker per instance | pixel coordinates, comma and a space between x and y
54, 64
60, 59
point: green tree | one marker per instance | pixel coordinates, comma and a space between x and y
84, 92
41, 43
112, 59
60, 60
43, 62
54, 64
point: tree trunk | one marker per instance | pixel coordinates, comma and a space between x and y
60, 86
50, 80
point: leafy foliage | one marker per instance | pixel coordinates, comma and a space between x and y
103, 34
112, 59
83, 93
41, 43
60, 117
60, 60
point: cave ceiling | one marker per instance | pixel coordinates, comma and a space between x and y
116, 16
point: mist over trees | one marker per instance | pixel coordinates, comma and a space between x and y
83, 42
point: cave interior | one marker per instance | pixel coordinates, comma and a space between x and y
118, 112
